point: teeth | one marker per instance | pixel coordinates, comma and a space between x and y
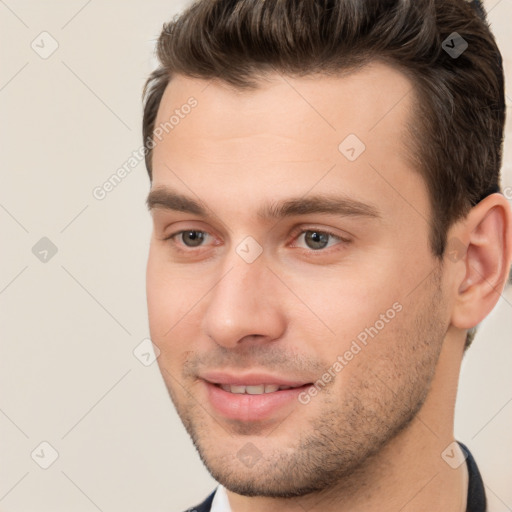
253, 390
237, 389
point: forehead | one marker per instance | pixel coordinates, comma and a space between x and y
313, 113
369, 90
287, 134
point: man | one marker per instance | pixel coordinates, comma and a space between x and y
328, 232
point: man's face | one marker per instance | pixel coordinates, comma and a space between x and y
241, 298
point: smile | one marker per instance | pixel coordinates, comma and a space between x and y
253, 390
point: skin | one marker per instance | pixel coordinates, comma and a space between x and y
372, 438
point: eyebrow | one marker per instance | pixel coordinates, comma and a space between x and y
168, 199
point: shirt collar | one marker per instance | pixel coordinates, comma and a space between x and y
220, 501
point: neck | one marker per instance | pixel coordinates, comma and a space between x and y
408, 474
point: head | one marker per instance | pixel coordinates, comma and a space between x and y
307, 206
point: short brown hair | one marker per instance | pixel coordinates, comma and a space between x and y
457, 130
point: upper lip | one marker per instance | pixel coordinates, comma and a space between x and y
249, 379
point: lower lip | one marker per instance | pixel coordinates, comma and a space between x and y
245, 407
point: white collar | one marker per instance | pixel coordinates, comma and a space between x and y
220, 501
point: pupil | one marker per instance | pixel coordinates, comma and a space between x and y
317, 238
196, 237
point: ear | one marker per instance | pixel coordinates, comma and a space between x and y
481, 247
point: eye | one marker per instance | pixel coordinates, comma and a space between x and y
317, 239
314, 239
190, 238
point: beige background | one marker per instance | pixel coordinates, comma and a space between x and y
68, 375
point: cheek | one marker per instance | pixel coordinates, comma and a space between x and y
157, 295
172, 311
345, 303
165, 298
165, 289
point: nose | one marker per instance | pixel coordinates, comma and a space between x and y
245, 305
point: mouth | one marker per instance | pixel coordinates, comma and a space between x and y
254, 390
253, 401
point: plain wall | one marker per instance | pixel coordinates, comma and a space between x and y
69, 326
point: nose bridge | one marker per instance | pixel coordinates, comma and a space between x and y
244, 302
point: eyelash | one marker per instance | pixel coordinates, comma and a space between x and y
296, 233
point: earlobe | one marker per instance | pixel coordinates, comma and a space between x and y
487, 236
